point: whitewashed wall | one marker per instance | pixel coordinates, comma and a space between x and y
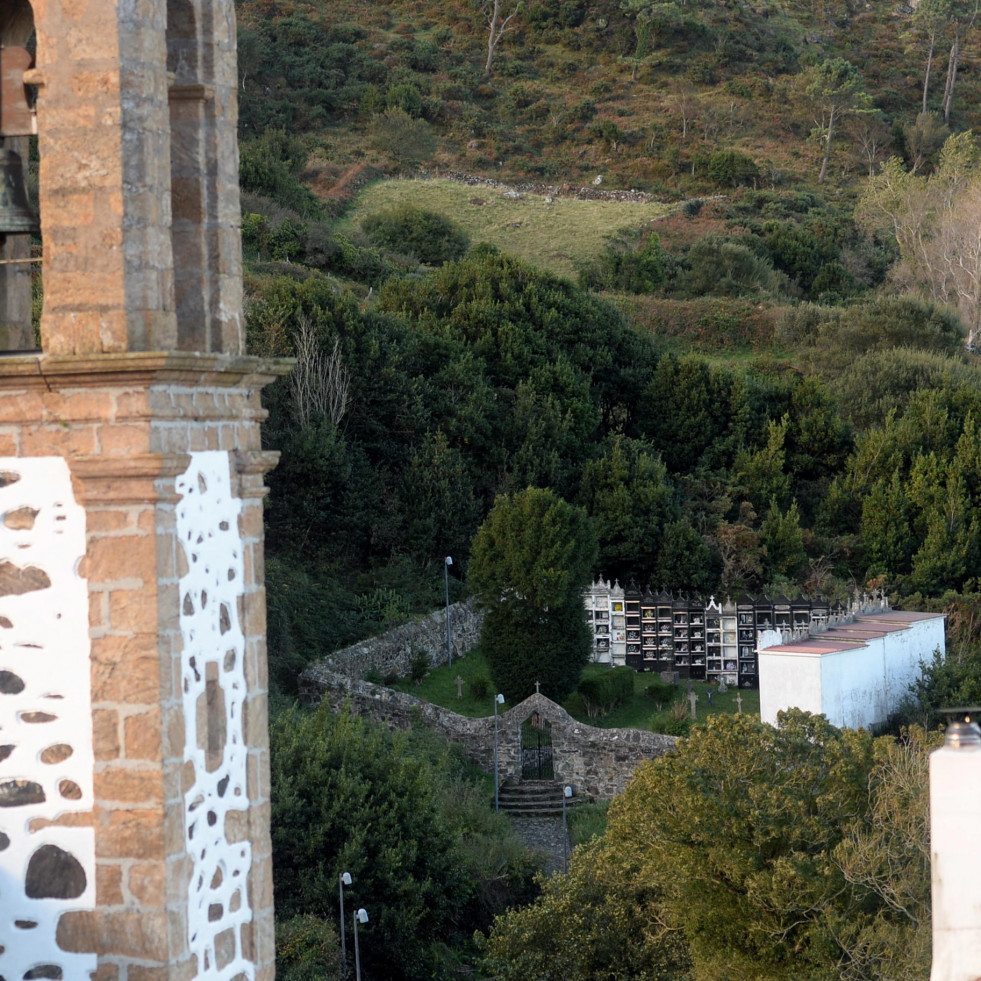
853, 688
47, 867
214, 689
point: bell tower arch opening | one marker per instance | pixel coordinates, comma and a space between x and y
202, 78
20, 267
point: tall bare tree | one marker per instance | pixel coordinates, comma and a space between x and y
497, 24
936, 222
964, 17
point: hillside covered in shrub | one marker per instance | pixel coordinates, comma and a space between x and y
767, 384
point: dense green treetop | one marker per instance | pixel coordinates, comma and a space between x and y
533, 550
429, 862
750, 851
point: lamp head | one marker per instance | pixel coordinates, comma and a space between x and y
499, 699
567, 790
361, 916
346, 878
448, 560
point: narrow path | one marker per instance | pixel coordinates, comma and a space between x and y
545, 836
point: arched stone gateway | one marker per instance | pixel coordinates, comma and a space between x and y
537, 760
134, 807
597, 763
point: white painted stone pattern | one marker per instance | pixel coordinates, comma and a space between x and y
207, 525
46, 756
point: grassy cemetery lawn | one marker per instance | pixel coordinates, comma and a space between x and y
473, 696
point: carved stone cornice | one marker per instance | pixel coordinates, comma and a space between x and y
139, 368
127, 480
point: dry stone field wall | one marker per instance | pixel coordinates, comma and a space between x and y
598, 763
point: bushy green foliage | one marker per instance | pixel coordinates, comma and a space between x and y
630, 498
307, 949
593, 924
750, 851
732, 168
882, 381
601, 693
270, 165
405, 139
405, 97
890, 322
684, 560
719, 266
913, 492
798, 252
428, 859
407, 229
296, 71
660, 692
622, 265
530, 561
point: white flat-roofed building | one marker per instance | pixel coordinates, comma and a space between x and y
854, 673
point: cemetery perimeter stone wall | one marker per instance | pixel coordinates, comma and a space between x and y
597, 763
391, 653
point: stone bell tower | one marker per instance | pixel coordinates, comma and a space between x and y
134, 791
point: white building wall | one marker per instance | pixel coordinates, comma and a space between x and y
854, 687
955, 806
853, 684
787, 680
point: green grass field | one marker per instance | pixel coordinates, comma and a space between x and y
559, 237
440, 688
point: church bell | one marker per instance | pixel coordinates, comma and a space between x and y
16, 217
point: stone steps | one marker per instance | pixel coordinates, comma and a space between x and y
533, 798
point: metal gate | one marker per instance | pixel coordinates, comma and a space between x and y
536, 750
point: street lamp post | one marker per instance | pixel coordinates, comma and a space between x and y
360, 917
566, 793
498, 700
447, 562
344, 879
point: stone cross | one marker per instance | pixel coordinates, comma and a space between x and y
458, 681
723, 687
692, 698
538, 688
739, 702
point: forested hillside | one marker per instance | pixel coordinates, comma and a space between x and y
768, 387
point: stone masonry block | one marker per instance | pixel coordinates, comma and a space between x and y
105, 734
21, 406
66, 441
142, 735
147, 884
132, 610
143, 934
87, 405
129, 786
108, 884
124, 440
134, 678
109, 521
106, 972
130, 833
131, 558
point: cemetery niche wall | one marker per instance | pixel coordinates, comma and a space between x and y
690, 637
